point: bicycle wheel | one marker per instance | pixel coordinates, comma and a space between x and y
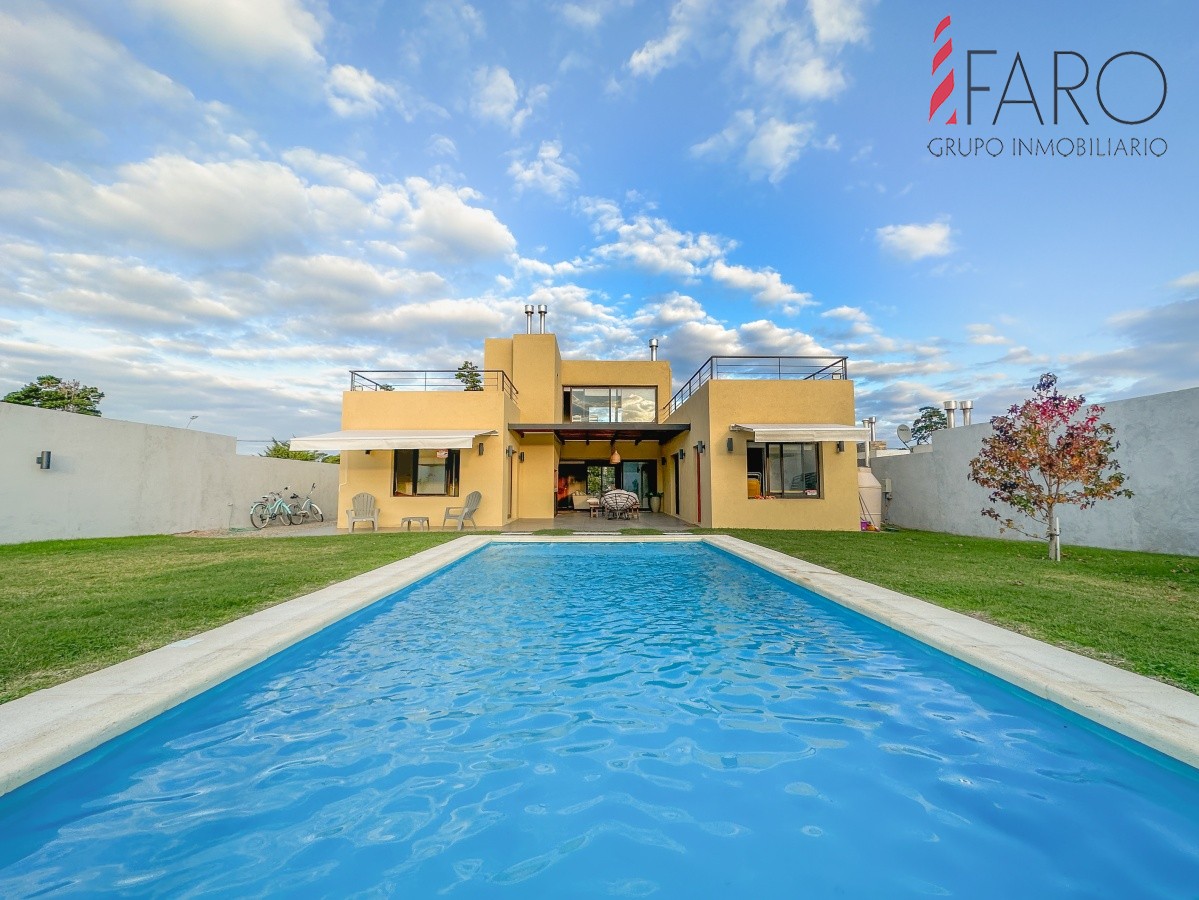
259, 515
291, 516
315, 512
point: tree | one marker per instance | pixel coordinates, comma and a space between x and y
51, 392
1039, 457
470, 376
929, 419
282, 450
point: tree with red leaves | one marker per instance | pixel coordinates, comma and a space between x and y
1039, 457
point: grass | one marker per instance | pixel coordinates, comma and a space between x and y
1139, 611
71, 607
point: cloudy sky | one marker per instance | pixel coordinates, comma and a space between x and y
216, 208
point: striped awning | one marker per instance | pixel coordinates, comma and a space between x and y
436, 439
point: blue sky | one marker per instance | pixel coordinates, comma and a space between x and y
216, 208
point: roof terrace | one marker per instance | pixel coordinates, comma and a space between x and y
761, 368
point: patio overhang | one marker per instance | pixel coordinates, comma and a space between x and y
606, 431
438, 439
804, 434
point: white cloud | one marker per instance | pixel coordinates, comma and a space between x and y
839, 21
333, 170
686, 18
547, 173
444, 224
652, 243
264, 34
767, 149
1188, 282
766, 285
355, 92
497, 99
915, 242
440, 145
984, 335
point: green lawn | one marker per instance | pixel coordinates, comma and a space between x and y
70, 607
1135, 610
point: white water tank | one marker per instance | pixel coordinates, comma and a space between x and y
870, 498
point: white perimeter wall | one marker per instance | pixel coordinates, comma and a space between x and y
110, 478
1159, 452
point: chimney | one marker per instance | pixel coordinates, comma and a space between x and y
528, 318
653, 349
870, 423
966, 406
541, 311
951, 415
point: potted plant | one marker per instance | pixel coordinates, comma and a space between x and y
655, 501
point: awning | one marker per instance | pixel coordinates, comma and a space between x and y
340, 441
805, 434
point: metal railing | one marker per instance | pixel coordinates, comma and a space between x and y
429, 380
761, 368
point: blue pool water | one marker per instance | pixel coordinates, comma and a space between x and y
609, 720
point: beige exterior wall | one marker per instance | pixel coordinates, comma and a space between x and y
372, 472
717, 406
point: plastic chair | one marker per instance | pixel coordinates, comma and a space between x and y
365, 510
465, 513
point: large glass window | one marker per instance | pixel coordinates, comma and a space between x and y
782, 470
421, 473
612, 404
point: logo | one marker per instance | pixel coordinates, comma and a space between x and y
1128, 90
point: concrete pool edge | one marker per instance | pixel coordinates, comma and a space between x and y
48, 728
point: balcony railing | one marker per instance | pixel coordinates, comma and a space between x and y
428, 380
761, 368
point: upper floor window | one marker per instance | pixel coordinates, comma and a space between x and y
611, 404
783, 470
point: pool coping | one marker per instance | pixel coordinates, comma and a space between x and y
45, 729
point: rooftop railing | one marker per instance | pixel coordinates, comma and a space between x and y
431, 380
760, 368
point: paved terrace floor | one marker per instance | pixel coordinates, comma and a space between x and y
568, 521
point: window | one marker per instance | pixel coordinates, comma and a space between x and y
422, 473
611, 404
782, 470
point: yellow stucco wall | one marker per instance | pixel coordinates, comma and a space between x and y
372, 472
720, 404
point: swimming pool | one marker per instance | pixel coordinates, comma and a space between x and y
609, 719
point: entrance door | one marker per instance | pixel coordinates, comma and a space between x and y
639, 477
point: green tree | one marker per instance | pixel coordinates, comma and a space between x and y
928, 420
1040, 456
282, 450
51, 392
470, 376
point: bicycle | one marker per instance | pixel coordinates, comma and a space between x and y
308, 509
270, 507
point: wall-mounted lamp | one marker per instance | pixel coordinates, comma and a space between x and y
480, 448
663, 460
840, 446
729, 445
682, 455
43, 459
699, 447
510, 451
522, 456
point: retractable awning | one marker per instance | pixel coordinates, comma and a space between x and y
805, 434
340, 441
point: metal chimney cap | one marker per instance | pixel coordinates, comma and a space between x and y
653, 342
965, 404
950, 404
543, 309
529, 310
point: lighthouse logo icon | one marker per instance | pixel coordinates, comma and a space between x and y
944, 89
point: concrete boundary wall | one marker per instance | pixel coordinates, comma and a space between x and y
109, 478
1159, 452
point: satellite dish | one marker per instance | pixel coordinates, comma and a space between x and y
904, 433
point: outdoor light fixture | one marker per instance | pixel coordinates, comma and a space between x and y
663, 460
510, 450
522, 456
729, 445
699, 447
614, 459
480, 448
682, 455
43, 459
840, 446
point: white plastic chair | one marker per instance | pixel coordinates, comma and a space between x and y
465, 513
365, 510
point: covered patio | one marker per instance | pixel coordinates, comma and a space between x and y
583, 522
